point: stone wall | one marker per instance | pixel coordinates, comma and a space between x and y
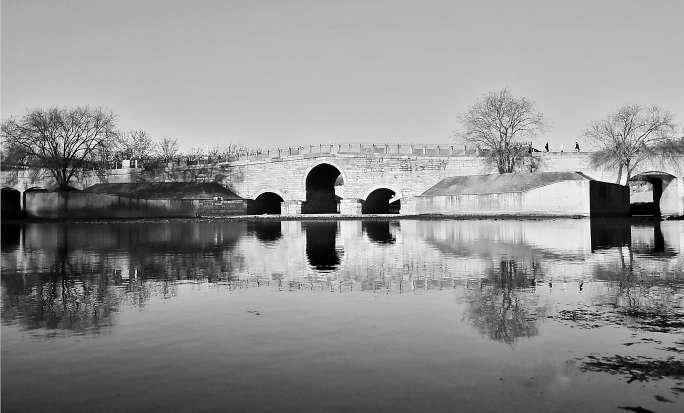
406, 172
57, 205
406, 176
566, 198
672, 198
608, 199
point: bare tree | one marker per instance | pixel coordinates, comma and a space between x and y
501, 126
63, 141
135, 144
167, 149
632, 134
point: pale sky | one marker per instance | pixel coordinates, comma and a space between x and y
265, 73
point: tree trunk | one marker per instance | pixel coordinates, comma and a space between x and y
629, 174
619, 175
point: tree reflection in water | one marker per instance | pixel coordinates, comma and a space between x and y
504, 306
77, 304
645, 284
76, 277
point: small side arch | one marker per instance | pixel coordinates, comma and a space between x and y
646, 192
396, 196
263, 190
267, 202
381, 200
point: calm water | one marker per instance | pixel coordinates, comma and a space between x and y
532, 315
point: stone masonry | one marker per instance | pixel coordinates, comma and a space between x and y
362, 172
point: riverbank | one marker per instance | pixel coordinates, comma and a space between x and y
338, 217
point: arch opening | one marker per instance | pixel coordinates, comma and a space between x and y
266, 203
378, 202
11, 203
320, 190
646, 192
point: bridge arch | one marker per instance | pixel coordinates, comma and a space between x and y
381, 200
321, 183
11, 199
264, 190
318, 163
650, 192
267, 202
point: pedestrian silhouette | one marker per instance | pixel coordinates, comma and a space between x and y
577, 146
546, 147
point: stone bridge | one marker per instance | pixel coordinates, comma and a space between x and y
356, 179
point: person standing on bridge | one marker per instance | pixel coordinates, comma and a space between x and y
577, 148
546, 147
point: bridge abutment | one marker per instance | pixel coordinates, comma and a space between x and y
350, 206
291, 207
672, 198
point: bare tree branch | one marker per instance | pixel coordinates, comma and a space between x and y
63, 141
631, 135
502, 126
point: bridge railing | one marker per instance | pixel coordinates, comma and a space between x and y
355, 148
437, 150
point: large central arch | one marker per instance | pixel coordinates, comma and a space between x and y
320, 190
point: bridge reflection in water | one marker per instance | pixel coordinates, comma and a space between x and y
76, 276
278, 306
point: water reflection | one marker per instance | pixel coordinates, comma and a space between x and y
10, 236
512, 307
321, 250
379, 231
266, 232
78, 276
610, 233
503, 304
74, 303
